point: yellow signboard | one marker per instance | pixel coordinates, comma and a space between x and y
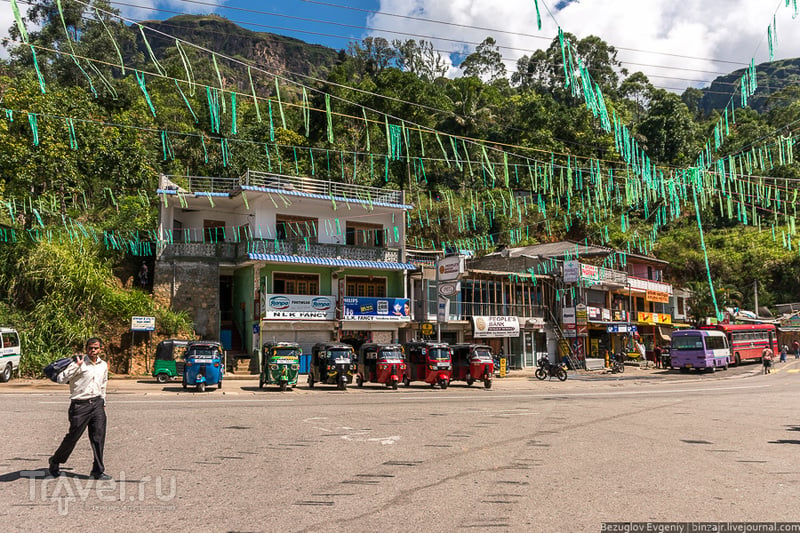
655, 318
658, 297
427, 328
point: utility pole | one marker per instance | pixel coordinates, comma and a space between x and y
755, 291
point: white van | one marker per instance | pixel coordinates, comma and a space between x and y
9, 353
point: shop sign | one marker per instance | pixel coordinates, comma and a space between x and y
495, 326
792, 322
449, 289
594, 313
655, 318
581, 320
621, 328
450, 268
376, 309
620, 315
572, 271
299, 307
426, 328
605, 316
658, 297
590, 272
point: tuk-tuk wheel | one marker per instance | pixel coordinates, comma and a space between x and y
201, 387
394, 385
470, 381
487, 383
162, 378
219, 385
406, 382
443, 384
283, 386
183, 384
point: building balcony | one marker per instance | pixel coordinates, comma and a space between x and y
463, 311
233, 251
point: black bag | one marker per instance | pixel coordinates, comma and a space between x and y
56, 367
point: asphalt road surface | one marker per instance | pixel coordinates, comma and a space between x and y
523, 456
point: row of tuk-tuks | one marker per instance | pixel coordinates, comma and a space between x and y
386, 364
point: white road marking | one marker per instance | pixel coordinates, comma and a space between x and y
113, 401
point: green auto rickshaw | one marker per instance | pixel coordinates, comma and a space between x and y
280, 364
168, 363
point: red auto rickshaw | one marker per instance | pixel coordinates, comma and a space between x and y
429, 362
471, 363
380, 363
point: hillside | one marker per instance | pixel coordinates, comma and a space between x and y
273, 53
772, 77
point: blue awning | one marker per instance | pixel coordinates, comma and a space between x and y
331, 261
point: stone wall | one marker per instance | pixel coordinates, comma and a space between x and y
191, 286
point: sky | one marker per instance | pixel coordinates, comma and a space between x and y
677, 44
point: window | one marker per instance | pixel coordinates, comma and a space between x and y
366, 286
293, 228
305, 284
361, 234
716, 342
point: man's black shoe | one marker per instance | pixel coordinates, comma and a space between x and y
53, 469
101, 476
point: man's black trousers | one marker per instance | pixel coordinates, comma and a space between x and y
83, 414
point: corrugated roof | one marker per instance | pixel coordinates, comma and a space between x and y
331, 261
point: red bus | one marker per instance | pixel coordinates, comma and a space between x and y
748, 340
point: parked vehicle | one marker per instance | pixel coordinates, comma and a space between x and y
380, 363
618, 363
280, 364
548, 369
471, 363
205, 365
332, 364
10, 352
701, 349
747, 341
169, 360
430, 362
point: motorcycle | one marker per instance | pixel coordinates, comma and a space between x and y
546, 368
617, 365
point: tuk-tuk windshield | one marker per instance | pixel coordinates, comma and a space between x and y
203, 353
483, 354
286, 352
390, 354
439, 354
340, 353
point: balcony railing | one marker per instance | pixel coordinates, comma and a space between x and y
254, 178
462, 310
233, 250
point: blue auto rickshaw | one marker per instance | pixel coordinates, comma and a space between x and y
205, 365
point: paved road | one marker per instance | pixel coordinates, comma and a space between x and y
523, 456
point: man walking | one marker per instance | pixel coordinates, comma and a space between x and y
87, 377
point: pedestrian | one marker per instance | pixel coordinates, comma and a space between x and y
796, 349
87, 376
657, 356
784, 351
766, 359
144, 275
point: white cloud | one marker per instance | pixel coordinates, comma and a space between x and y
676, 40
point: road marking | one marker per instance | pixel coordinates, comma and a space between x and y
115, 402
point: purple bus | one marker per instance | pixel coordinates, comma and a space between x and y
701, 349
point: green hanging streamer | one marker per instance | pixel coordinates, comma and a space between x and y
311, 157
187, 67
225, 152
73, 139
167, 147
107, 84
205, 151
38, 71
366, 126
271, 123
186, 101
219, 79
439, 140
234, 128
150, 52
23, 33
538, 15
330, 119
140, 81
212, 95
255, 98
307, 114
280, 104
32, 120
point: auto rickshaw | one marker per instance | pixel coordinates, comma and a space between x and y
429, 362
280, 364
205, 365
380, 363
168, 362
471, 363
332, 364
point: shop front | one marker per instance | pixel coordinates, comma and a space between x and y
373, 320
305, 320
654, 330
